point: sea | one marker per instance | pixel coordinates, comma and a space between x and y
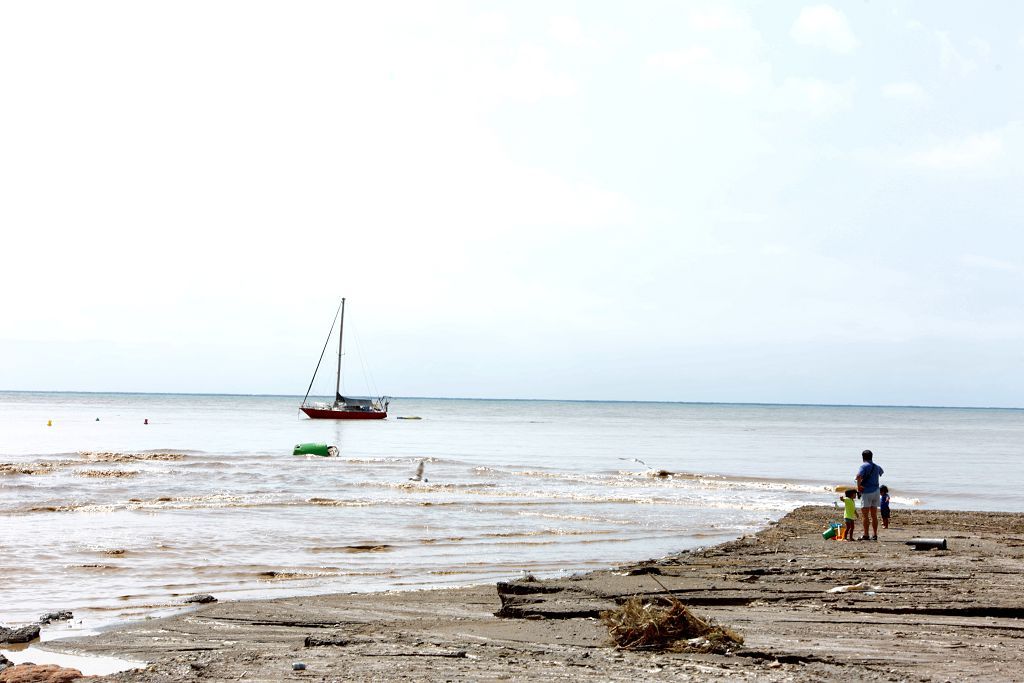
119, 506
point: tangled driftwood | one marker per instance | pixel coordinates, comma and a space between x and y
642, 624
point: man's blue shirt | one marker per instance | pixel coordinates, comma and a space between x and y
869, 473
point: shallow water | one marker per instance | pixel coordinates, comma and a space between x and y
114, 518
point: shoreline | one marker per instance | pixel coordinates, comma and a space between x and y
956, 614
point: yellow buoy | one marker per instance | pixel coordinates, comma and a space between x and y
49, 423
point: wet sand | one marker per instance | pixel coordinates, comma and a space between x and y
920, 616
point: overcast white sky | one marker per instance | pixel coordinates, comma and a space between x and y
764, 201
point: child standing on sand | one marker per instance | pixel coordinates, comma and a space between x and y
850, 512
883, 508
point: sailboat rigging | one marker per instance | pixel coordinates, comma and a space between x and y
343, 407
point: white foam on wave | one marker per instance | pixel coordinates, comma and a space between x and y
424, 486
663, 478
395, 459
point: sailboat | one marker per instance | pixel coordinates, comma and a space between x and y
343, 407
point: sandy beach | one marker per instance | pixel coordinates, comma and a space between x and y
906, 614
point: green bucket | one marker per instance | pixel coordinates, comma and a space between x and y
830, 532
321, 449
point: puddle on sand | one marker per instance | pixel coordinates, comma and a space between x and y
88, 665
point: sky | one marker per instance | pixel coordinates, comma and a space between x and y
777, 202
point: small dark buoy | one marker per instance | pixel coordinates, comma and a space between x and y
97, 419
146, 421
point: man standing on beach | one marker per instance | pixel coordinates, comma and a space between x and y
867, 484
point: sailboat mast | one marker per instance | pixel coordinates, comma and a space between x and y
341, 336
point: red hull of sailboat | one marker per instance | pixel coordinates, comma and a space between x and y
322, 414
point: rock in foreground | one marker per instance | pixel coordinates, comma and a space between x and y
39, 673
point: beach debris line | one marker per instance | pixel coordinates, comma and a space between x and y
642, 624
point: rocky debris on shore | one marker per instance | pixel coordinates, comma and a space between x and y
201, 598
39, 673
19, 634
60, 615
4, 662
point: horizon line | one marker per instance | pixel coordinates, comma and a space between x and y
533, 400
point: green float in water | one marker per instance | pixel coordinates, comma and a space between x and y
321, 449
